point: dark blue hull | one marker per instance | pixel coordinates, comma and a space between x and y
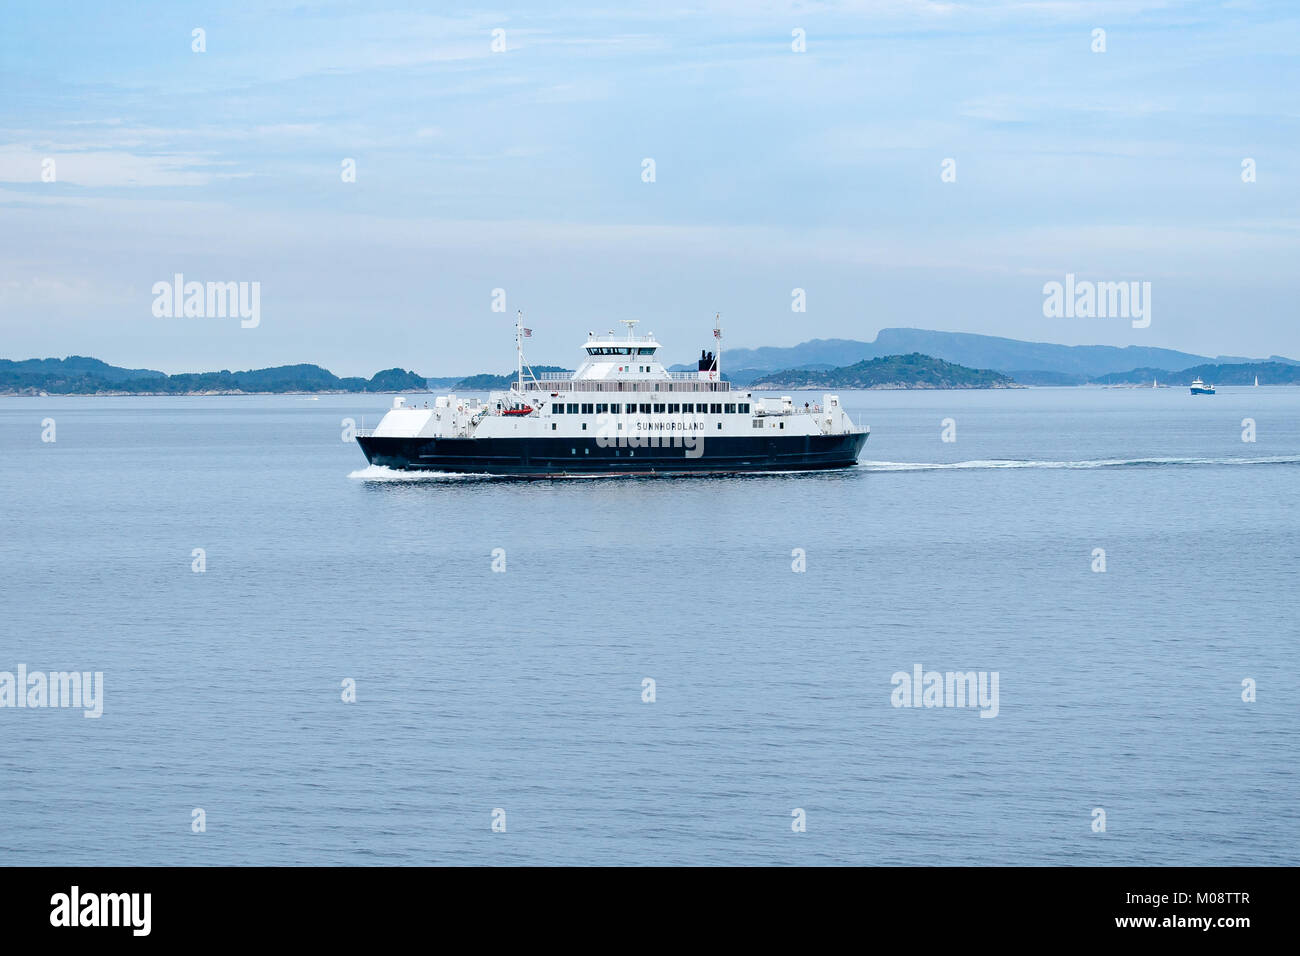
555, 457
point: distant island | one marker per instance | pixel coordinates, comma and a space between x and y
897, 358
78, 375
892, 371
486, 382
1244, 373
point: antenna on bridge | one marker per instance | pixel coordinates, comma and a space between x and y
717, 334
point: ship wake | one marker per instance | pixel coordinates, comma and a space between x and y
1006, 463
380, 473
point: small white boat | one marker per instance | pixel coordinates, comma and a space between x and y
1200, 388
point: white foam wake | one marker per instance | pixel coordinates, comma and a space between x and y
1086, 463
383, 473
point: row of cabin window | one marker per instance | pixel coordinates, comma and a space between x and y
655, 408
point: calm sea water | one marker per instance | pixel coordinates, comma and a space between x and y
523, 690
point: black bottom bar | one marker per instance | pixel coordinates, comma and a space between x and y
938, 909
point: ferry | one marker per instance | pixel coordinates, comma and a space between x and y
1200, 388
620, 413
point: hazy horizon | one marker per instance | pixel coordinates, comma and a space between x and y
669, 359
127, 157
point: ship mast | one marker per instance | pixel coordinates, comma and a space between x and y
519, 346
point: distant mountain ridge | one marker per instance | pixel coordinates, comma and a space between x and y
818, 360
1066, 364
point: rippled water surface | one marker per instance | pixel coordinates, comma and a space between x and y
523, 690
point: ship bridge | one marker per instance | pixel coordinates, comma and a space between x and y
628, 362
627, 357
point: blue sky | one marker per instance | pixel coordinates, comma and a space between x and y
522, 170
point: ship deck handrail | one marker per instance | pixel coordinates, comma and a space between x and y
789, 410
652, 385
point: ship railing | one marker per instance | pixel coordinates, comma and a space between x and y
789, 410
651, 385
363, 432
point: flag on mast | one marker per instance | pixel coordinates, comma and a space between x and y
528, 333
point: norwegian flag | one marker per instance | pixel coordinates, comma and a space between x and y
717, 333
528, 333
